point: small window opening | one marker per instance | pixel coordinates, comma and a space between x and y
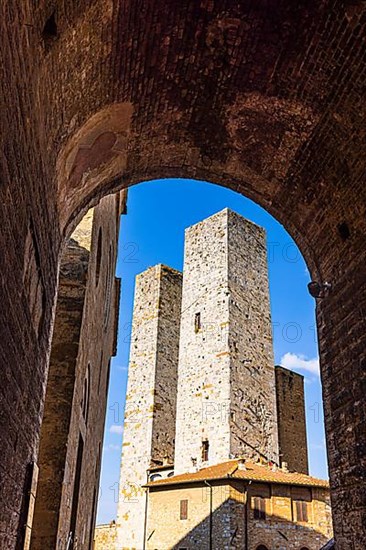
86, 395
344, 231
205, 447
197, 322
301, 510
49, 33
259, 507
184, 509
154, 477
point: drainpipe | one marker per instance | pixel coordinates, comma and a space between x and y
145, 518
210, 536
246, 537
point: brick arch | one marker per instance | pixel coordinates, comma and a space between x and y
265, 97
265, 135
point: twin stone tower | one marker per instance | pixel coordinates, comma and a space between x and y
202, 386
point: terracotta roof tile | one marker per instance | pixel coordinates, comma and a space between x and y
252, 472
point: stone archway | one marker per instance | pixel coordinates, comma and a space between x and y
264, 97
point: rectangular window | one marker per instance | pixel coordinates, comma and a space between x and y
301, 510
197, 322
184, 509
205, 447
259, 507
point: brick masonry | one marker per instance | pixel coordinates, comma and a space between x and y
226, 379
150, 411
76, 395
265, 99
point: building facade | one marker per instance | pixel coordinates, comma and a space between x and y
84, 340
241, 506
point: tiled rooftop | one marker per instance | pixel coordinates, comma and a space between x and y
252, 472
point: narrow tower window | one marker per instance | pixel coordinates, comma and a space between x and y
197, 322
205, 447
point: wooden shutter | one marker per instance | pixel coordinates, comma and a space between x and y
183, 509
301, 511
259, 506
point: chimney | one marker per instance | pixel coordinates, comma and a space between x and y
284, 466
241, 464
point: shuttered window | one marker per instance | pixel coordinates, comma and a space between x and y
183, 509
259, 507
301, 510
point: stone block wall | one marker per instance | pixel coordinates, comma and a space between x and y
165, 530
253, 417
83, 342
59, 393
203, 400
226, 384
226, 510
291, 420
150, 401
105, 537
281, 529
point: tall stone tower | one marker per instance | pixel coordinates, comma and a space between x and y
291, 420
226, 403
149, 425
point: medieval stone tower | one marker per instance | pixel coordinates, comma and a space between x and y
226, 404
202, 382
149, 424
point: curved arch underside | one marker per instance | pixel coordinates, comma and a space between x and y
265, 97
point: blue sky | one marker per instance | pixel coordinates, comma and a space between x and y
152, 232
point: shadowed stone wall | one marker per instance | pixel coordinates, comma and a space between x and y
83, 342
291, 420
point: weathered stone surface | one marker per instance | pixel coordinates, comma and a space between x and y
233, 523
150, 411
264, 97
292, 441
77, 384
105, 537
226, 381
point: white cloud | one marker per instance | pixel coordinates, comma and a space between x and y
112, 447
116, 429
300, 363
